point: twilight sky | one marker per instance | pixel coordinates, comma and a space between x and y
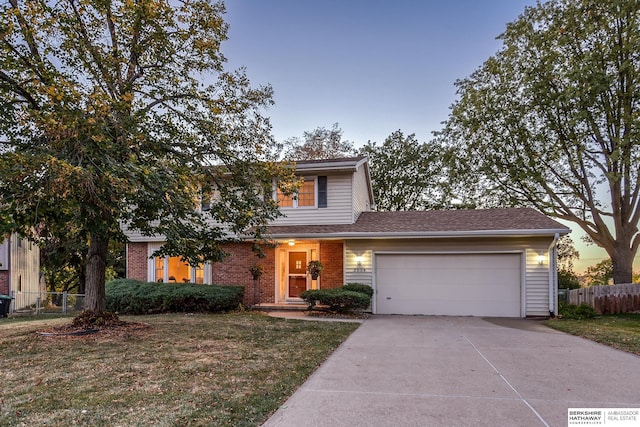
373, 66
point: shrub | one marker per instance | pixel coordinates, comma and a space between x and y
359, 287
338, 299
576, 312
568, 280
127, 296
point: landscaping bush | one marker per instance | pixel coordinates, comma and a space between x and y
127, 296
576, 312
359, 287
339, 299
567, 280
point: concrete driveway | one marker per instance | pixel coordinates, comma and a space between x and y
461, 371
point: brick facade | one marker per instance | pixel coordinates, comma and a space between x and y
234, 270
332, 256
137, 261
4, 282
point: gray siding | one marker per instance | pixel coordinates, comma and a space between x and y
537, 280
338, 210
536, 276
136, 236
361, 200
347, 197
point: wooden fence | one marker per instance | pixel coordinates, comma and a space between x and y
613, 299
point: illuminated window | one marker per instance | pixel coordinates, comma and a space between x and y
307, 194
304, 197
174, 270
178, 270
285, 201
199, 274
159, 269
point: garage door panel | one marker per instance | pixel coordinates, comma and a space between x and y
460, 284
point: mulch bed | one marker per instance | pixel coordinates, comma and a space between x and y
87, 324
125, 328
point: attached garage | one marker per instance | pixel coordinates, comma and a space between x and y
493, 262
471, 284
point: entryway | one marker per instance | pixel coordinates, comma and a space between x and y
292, 278
297, 273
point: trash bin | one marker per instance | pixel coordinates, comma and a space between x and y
5, 302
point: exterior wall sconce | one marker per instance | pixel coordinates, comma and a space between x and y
292, 242
541, 259
359, 268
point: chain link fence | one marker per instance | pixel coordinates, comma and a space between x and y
46, 303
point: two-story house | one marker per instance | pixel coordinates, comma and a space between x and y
496, 262
20, 270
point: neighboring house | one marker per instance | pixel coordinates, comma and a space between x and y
496, 262
19, 270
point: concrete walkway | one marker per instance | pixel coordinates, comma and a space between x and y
301, 315
460, 371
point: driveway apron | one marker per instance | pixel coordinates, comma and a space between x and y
461, 371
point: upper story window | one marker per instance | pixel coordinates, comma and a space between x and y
305, 197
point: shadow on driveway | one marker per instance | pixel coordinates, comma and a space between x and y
461, 371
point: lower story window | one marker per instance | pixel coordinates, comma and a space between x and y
174, 270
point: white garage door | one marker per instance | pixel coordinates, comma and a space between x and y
455, 285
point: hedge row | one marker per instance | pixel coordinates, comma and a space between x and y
350, 297
125, 296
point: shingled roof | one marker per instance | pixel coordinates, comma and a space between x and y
445, 223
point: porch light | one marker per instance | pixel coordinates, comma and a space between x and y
541, 259
292, 242
359, 260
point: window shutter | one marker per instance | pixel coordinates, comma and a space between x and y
322, 191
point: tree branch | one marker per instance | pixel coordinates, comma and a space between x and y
19, 90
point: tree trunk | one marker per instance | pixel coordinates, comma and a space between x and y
622, 264
95, 274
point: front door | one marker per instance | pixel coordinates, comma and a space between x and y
297, 274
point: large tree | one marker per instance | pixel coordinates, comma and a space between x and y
318, 144
553, 120
407, 174
121, 112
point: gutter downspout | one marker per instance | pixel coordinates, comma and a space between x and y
553, 277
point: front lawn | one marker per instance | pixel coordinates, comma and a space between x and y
190, 370
621, 331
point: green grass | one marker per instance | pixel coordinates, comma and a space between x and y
621, 331
184, 370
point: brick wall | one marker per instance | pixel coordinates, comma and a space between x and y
331, 255
137, 261
234, 270
4, 282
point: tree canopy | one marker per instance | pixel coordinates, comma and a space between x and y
318, 144
406, 174
553, 121
599, 274
567, 253
117, 112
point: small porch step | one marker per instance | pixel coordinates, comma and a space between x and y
281, 307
